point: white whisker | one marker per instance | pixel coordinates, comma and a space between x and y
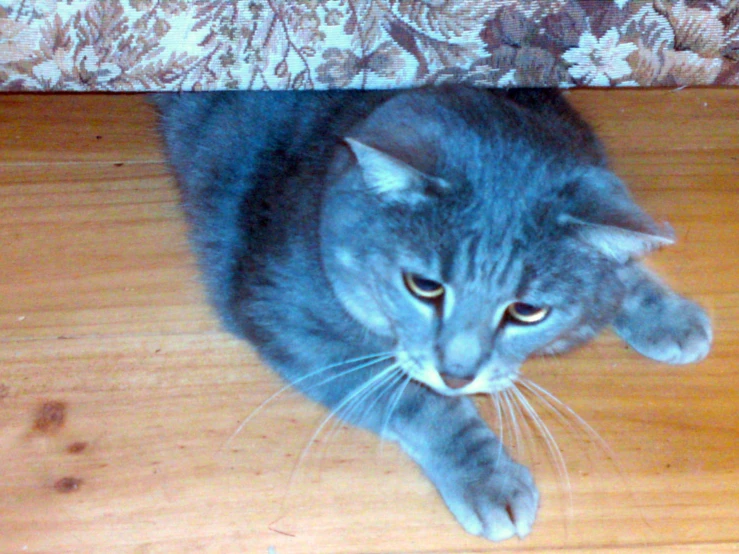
348, 371
366, 388
378, 390
561, 410
566, 415
557, 458
517, 441
495, 397
374, 359
405, 380
573, 422
529, 434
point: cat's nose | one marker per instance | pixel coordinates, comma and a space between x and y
460, 358
455, 382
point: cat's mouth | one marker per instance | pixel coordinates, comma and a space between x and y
485, 382
456, 382
455, 386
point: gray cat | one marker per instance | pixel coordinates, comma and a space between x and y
391, 253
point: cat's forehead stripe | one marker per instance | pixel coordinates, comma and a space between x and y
471, 248
482, 258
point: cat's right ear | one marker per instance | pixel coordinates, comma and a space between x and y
604, 216
390, 178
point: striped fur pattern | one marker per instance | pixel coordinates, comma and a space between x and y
392, 253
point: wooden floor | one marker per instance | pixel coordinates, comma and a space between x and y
120, 396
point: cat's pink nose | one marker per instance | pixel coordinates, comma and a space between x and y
455, 382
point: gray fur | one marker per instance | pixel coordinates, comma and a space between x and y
307, 208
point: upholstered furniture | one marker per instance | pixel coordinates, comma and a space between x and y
138, 45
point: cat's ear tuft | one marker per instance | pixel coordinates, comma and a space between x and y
621, 243
605, 217
390, 177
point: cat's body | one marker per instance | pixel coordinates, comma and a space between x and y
391, 252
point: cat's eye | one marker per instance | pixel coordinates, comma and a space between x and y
526, 314
422, 288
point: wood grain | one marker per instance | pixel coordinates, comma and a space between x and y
120, 397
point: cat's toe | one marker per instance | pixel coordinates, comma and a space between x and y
679, 332
501, 507
687, 342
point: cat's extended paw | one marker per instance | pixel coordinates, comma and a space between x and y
667, 328
498, 506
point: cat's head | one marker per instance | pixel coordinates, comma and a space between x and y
469, 245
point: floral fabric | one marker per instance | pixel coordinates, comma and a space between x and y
137, 45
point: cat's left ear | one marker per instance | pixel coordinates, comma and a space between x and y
604, 216
392, 178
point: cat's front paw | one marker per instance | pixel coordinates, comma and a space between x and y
499, 505
667, 328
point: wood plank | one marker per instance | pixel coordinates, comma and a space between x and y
118, 394
154, 415
662, 121
77, 128
95, 249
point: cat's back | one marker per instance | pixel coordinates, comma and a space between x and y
218, 131
248, 166
228, 136
209, 133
